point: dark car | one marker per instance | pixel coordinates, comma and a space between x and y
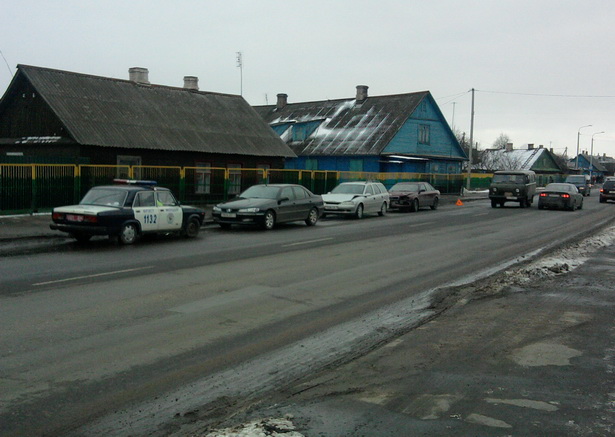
560, 196
265, 205
410, 196
126, 211
582, 182
513, 186
607, 192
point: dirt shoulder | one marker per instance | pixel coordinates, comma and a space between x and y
531, 352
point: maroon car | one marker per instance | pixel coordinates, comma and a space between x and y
410, 196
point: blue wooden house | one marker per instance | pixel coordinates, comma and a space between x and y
395, 133
588, 165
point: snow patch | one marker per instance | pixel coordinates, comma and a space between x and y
564, 260
260, 428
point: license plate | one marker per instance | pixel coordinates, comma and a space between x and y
74, 218
331, 207
508, 194
553, 195
228, 215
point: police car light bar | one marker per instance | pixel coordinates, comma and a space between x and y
134, 182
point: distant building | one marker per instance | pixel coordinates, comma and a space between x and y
395, 133
590, 165
538, 159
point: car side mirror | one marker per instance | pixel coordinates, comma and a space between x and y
422, 190
283, 199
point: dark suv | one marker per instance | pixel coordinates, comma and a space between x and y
607, 192
513, 186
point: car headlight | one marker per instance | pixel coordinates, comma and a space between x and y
217, 209
516, 190
249, 210
347, 204
495, 190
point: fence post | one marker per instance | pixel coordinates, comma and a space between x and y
182, 184
33, 203
77, 184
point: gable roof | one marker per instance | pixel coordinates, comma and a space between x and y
109, 112
595, 162
346, 126
516, 159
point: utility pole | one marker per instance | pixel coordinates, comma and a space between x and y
471, 142
240, 65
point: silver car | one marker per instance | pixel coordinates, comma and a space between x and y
356, 199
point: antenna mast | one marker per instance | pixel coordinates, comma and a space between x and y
240, 66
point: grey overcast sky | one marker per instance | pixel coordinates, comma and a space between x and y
541, 68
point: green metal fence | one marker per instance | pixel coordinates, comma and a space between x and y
27, 188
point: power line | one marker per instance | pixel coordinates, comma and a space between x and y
546, 95
6, 62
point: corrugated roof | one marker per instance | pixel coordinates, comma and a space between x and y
108, 112
502, 159
347, 126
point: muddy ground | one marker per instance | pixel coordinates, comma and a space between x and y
529, 352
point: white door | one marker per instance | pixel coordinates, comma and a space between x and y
170, 213
145, 211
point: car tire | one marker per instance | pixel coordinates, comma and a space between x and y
602, 200
494, 203
128, 234
435, 203
82, 238
193, 227
269, 220
541, 206
415, 205
225, 225
581, 205
358, 214
383, 209
312, 217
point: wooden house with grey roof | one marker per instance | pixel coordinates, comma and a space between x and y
393, 133
55, 116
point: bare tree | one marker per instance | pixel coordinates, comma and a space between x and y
493, 160
501, 141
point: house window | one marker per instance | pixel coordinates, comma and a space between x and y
234, 179
311, 164
202, 176
123, 162
423, 134
356, 165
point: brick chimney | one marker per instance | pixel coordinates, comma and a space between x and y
509, 147
139, 75
362, 93
282, 101
191, 83
530, 147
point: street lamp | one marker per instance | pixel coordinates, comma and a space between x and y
591, 157
578, 136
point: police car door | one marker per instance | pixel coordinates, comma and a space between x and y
145, 211
171, 215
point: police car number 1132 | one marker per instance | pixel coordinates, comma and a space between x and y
150, 218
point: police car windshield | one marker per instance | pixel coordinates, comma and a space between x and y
261, 192
104, 197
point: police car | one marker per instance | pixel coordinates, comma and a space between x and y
127, 210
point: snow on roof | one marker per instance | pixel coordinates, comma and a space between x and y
516, 159
346, 125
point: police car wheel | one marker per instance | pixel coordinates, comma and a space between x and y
192, 228
129, 233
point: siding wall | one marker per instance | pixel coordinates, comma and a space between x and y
441, 140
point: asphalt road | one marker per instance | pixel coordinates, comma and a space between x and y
103, 339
